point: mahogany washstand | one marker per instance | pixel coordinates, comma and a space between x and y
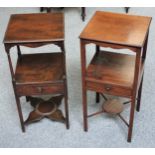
110, 72
39, 73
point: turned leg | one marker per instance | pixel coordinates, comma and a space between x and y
139, 96
83, 13
97, 97
132, 110
20, 113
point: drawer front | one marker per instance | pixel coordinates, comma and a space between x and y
27, 90
108, 89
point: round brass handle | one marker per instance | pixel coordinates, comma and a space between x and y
40, 89
108, 88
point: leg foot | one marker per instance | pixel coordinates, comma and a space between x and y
85, 121
66, 112
131, 119
20, 114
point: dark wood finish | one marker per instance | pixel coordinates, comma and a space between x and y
139, 96
38, 27
109, 67
114, 73
83, 13
127, 9
97, 97
48, 109
128, 29
47, 68
42, 73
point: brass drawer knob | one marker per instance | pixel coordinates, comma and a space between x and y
108, 88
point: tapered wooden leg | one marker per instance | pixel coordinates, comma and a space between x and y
132, 110
139, 96
85, 121
20, 113
84, 91
66, 106
97, 97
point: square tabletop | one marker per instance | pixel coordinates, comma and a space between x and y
117, 28
37, 27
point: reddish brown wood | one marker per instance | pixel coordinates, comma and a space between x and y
114, 73
48, 109
38, 74
39, 89
47, 68
84, 91
26, 28
128, 29
116, 69
134, 93
108, 88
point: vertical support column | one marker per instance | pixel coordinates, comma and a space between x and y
7, 48
83, 13
19, 51
97, 94
141, 83
127, 9
84, 91
145, 47
41, 9
134, 92
65, 85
